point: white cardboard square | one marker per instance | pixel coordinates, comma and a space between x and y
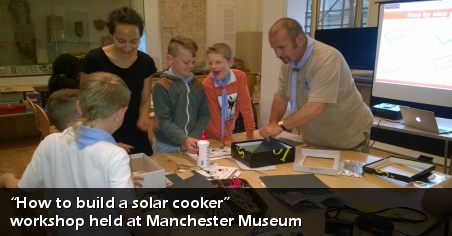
298, 164
153, 175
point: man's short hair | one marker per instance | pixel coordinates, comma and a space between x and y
178, 42
291, 26
61, 108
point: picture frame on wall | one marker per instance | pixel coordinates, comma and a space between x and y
77, 25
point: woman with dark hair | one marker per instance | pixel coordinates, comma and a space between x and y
135, 67
66, 73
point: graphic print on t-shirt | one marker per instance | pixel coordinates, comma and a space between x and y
232, 99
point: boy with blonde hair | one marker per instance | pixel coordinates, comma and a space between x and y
227, 95
181, 111
84, 155
87, 147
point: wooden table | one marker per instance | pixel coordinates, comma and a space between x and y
341, 184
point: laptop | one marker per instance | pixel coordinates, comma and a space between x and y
422, 119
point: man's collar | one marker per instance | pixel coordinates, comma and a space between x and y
306, 54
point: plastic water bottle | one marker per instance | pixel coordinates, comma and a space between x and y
203, 151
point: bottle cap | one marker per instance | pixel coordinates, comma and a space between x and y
203, 136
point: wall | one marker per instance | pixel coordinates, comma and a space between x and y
372, 13
272, 10
296, 9
246, 20
153, 24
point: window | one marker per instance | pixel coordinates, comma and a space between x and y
335, 14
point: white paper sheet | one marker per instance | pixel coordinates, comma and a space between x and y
215, 153
219, 172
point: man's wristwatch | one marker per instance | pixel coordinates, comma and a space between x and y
281, 124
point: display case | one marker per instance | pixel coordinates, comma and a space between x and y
35, 32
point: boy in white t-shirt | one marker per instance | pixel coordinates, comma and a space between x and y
61, 159
85, 155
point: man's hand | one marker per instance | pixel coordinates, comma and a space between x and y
270, 131
127, 147
191, 145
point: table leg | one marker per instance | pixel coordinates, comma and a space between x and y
446, 156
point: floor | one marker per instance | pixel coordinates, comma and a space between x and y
15, 155
14, 158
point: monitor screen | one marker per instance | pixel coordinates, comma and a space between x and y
414, 53
357, 45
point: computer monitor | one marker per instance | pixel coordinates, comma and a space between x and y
357, 45
414, 62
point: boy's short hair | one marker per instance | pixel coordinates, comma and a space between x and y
61, 108
221, 48
178, 42
101, 95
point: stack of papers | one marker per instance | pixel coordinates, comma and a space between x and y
215, 153
219, 172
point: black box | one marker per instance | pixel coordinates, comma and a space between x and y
399, 168
387, 111
253, 155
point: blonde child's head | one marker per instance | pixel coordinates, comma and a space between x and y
221, 48
101, 96
219, 58
181, 55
